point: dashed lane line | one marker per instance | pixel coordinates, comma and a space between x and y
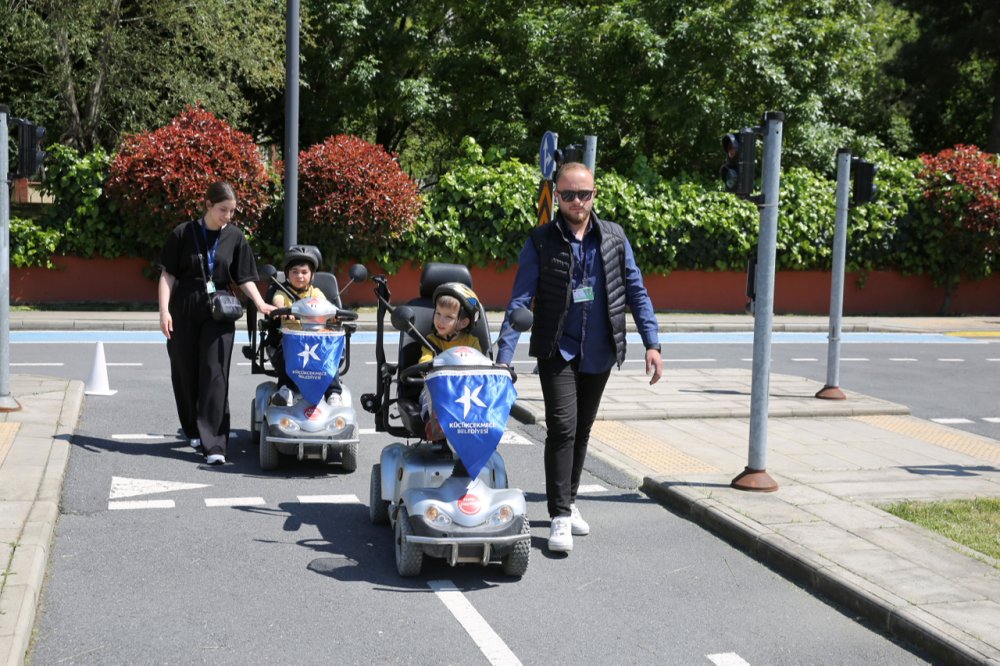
234, 501
489, 643
329, 499
591, 489
37, 365
951, 360
140, 504
904, 360
951, 421
992, 419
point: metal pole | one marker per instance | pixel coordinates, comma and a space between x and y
832, 389
755, 476
7, 402
590, 152
291, 123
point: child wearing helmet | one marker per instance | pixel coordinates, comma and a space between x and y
456, 308
301, 264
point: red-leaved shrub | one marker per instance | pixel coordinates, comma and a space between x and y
963, 186
354, 198
158, 179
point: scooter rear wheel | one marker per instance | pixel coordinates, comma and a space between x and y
378, 508
409, 556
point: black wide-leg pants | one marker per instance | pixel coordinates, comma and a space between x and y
571, 401
201, 351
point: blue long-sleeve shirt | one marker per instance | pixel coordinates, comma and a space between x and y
587, 329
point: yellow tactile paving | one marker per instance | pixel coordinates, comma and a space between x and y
648, 451
7, 433
948, 438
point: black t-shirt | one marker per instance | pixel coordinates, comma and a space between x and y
234, 261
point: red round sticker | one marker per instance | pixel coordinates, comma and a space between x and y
468, 504
312, 413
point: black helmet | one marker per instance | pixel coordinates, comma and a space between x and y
464, 295
303, 253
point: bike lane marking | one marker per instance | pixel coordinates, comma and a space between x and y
489, 643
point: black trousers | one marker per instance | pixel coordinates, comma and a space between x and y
571, 401
200, 351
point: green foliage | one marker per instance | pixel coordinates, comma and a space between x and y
81, 213
31, 244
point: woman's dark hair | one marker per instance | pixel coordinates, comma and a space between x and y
220, 191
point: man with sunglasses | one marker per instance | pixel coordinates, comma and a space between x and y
578, 273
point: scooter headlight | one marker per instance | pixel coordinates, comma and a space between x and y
338, 424
436, 517
286, 424
501, 516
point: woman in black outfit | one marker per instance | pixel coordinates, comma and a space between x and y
199, 257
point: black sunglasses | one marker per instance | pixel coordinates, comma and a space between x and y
570, 195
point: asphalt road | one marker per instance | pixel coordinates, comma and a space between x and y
282, 579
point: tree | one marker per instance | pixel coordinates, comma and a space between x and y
952, 72
119, 66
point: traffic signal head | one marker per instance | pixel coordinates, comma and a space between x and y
865, 188
738, 173
30, 156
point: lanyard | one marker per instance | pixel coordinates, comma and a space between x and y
209, 251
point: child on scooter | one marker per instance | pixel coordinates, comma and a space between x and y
456, 308
301, 264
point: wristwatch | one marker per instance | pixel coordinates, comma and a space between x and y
655, 347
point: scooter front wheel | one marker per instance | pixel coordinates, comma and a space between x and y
268, 452
515, 563
378, 508
409, 556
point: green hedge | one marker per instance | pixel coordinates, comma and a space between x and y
482, 209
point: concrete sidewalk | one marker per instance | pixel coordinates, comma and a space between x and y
682, 441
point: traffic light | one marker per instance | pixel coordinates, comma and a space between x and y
30, 156
865, 188
739, 171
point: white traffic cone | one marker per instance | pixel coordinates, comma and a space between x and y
97, 382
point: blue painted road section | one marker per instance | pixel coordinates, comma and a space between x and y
368, 338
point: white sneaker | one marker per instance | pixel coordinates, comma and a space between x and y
561, 535
335, 400
580, 527
216, 459
284, 395
195, 443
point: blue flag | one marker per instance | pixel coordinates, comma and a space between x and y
472, 410
312, 360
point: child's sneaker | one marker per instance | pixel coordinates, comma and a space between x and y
335, 400
580, 527
561, 535
216, 459
284, 397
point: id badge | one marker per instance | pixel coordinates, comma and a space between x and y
210, 287
583, 294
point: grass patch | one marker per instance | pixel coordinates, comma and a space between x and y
973, 523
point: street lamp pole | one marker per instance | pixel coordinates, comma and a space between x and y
291, 122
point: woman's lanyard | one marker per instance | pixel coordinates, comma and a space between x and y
210, 254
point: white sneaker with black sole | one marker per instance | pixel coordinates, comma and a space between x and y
561, 535
216, 459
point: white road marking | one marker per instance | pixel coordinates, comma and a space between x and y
727, 659
490, 644
853, 358
952, 360
234, 501
994, 360
683, 360
992, 419
33, 365
145, 435
907, 360
748, 360
329, 499
243, 363
124, 487
951, 421
367, 431
515, 439
589, 489
803, 360
141, 504
134, 365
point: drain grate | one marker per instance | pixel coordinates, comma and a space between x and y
948, 438
647, 451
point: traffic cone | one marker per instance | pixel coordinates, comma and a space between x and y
97, 382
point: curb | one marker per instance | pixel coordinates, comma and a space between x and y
31, 558
823, 577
